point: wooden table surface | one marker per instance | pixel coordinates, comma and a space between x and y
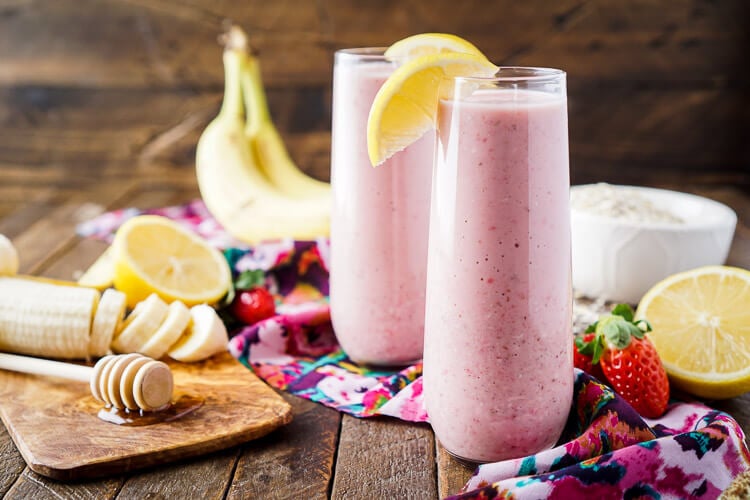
322, 453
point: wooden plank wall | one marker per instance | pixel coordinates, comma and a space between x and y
659, 89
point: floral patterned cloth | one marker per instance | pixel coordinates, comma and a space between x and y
609, 451
606, 451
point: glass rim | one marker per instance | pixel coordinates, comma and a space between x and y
362, 53
533, 74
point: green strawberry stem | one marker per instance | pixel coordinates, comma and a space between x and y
250, 279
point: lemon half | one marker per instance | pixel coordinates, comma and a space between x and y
701, 321
153, 254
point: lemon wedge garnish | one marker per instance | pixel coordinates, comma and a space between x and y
701, 321
406, 105
153, 254
429, 43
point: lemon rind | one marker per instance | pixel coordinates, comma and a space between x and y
406, 46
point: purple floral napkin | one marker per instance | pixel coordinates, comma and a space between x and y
607, 450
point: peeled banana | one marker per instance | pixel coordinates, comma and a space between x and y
42, 319
235, 187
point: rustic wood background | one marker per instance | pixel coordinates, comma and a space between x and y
95, 89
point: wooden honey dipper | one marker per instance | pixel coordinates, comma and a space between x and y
125, 381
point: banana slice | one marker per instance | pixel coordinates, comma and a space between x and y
107, 320
174, 325
140, 325
206, 335
8, 257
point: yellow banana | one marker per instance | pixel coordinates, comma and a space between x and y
271, 153
232, 185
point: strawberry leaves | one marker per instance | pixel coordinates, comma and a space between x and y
250, 279
616, 329
593, 348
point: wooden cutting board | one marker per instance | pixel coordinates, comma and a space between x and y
55, 426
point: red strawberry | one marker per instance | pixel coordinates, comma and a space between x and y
252, 302
251, 306
628, 360
583, 361
636, 373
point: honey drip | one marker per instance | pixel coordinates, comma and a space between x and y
182, 406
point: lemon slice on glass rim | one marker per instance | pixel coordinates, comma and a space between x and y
152, 254
701, 329
406, 105
429, 43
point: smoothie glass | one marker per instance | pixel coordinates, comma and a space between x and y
379, 224
498, 360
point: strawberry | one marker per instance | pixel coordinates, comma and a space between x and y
628, 360
252, 301
583, 361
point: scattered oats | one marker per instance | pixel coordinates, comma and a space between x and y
587, 311
619, 202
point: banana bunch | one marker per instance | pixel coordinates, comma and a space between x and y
245, 175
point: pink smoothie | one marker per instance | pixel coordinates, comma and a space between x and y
379, 228
498, 364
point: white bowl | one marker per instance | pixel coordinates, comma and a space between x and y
621, 260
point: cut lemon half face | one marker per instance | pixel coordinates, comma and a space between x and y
701, 329
406, 105
429, 43
153, 254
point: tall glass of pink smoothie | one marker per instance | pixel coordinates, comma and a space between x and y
498, 360
379, 224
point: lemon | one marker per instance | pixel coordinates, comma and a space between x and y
406, 105
429, 43
153, 254
701, 321
99, 274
